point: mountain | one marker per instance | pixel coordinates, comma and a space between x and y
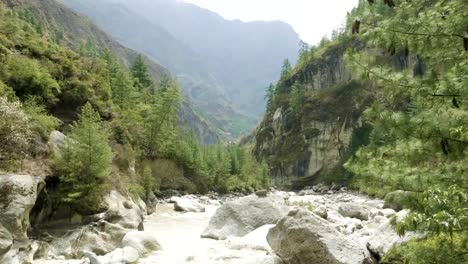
307, 142
74, 30
224, 66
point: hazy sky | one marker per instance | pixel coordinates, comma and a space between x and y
312, 19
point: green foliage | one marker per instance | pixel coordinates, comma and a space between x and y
84, 163
436, 249
270, 97
161, 126
28, 77
297, 99
419, 140
42, 122
438, 212
15, 132
140, 72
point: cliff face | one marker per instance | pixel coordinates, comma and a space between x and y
311, 146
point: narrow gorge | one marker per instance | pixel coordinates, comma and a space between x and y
162, 132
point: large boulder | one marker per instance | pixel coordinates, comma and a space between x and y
384, 236
187, 205
56, 141
143, 242
18, 196
126, 255
240, 217
354, 211
303, 238
123, 211
103, 232
6, 241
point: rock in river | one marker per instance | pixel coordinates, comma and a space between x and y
240, 217
303, 237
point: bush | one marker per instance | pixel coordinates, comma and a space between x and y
15, 132
42, 122
433, 250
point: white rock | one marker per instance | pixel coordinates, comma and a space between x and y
303, 237
240, 217
188, 205
143, 242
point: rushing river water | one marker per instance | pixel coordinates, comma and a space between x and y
179, 235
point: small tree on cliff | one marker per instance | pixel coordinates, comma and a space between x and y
84, 163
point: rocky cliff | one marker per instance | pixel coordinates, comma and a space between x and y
310, 146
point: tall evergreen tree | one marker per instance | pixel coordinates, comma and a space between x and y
270, 97
140, 72
84, 163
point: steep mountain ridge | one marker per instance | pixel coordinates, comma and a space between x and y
229, 63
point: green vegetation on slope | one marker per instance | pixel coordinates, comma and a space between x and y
419, 140
117, 121
413, 58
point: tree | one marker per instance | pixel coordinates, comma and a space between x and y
419, 140
304, 49
161, 128
84, 163
139, 70
270, 97
297, 98
286, 70
419, 120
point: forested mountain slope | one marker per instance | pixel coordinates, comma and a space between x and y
213, 58
118, 122
77, 32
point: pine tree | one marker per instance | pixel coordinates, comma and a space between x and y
297, 99
140, 72
270, 97
84, 163
286, 70
161, 128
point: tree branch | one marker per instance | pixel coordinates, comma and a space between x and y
415, 33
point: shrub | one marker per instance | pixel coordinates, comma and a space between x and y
15, 132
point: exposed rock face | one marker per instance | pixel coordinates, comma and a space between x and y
100, 233
244, 215
303, 237
18, 196
302, 148
56, 140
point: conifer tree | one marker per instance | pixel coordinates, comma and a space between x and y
84, 163
140, 72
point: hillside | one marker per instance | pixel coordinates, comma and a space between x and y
227, 64
315, 121
75, 31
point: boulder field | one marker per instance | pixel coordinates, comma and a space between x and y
270, 227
